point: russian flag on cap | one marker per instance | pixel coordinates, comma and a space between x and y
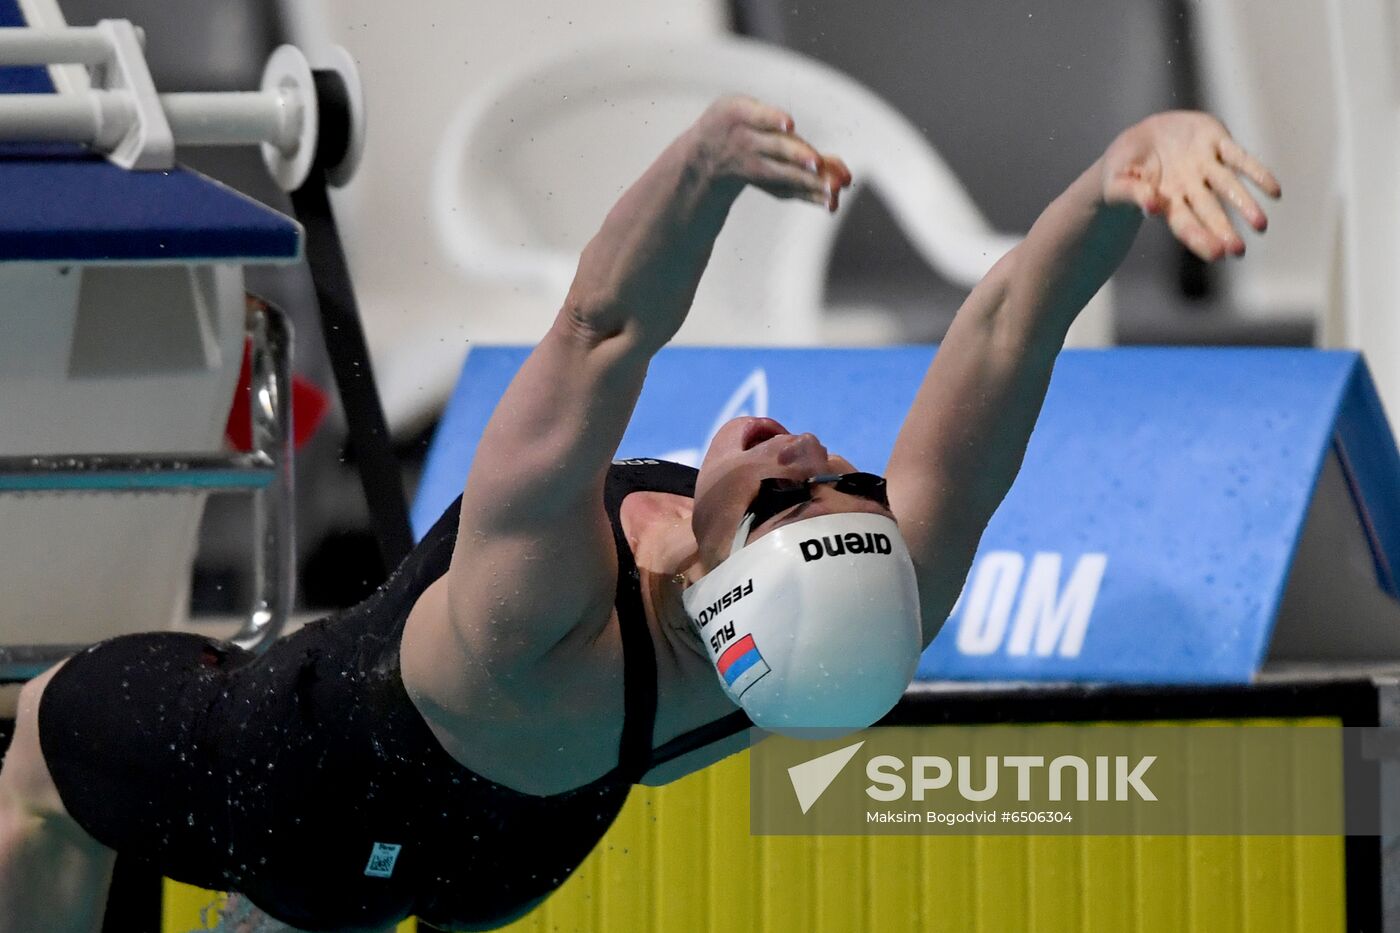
741, 665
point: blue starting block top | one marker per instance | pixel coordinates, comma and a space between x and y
1149, 535
61, 203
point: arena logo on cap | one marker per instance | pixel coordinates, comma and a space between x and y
851, 542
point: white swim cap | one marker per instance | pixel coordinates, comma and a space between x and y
816, 624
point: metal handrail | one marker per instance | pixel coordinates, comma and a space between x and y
274, 568
136, 473
265, 474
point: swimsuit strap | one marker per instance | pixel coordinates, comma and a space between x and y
636, 756
639, 677
687, 742
638, 653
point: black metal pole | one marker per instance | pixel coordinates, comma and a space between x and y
345, 341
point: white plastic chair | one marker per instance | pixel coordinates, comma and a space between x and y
1277, 90
1362, 236
419, 62
530, 164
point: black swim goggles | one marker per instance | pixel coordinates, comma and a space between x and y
777, 495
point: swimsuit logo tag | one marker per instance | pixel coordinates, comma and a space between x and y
382, 859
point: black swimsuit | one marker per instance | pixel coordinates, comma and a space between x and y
306, 778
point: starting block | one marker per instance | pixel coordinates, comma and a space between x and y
122, 329
1182, 515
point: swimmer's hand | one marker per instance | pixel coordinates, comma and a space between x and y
1185, 166
638, 275
740, 141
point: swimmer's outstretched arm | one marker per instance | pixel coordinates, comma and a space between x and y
963, 439
535, 552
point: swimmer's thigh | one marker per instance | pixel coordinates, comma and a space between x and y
123, 731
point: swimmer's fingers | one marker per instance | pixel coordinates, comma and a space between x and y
746, 140
837, 176
792, 168
1232, 155
1212, 215
1228, 187
793, 149
836, 167
754, 114
785, 180
787, 148
1187, 227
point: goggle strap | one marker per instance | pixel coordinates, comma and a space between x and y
741, 537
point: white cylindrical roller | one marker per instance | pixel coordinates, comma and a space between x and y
282, 117
235, 119
288, 75
76, 46
27, 117
99, 119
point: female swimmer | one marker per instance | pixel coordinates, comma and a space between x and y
454, 746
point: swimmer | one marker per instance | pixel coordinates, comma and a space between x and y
455, 745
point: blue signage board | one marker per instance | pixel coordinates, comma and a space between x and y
1149, 535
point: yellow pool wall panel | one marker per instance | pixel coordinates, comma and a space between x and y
680, 859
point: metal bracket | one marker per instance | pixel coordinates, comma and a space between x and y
148, 143
123, 116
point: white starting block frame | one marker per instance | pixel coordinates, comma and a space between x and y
123, 326
265, 473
